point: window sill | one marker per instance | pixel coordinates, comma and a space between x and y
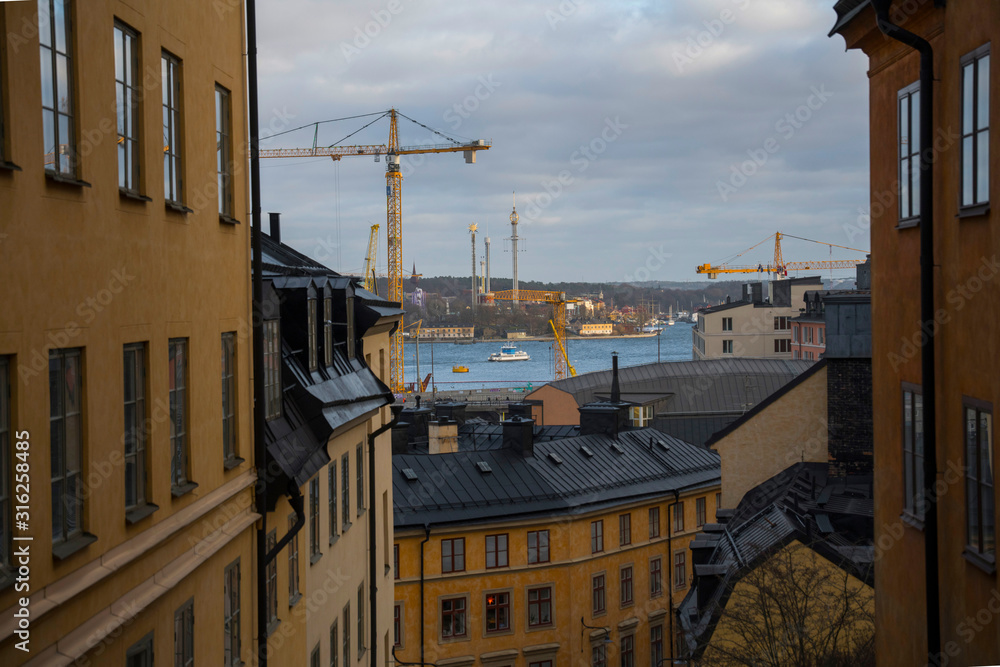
271, 627
294, 600
134, 196
387, 570
234, 462
225, 219
908, 223
333, 539
177, 207
912, 520
344, 528
64, 550
137, 514
9, 166
315, 558
66, 180
973, 211
984, 563
184, 489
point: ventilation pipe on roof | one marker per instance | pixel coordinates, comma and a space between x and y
921, 45
616, 395
275, 219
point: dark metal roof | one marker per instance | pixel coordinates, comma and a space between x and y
450, 487
846, 10
696, 429
479, 435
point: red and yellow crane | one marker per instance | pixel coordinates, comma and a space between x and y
779, 266
558, 301
394, 204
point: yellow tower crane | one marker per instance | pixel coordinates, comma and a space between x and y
558, 301
394, 204
779, 266
370, 260
562, 349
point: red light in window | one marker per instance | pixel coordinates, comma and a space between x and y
490, 599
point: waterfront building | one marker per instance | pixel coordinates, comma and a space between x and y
596, 329
448, 333
756, 326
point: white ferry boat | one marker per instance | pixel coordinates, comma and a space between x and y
509, 353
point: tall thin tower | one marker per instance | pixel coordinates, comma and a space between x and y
475, 287
486, 271
513, 246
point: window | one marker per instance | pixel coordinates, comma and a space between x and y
395, 561
909, 151
140, 654
808, 331
727, 347
328, 331
598, 598
496, 551
314, 552
913, 451
654, 522
679, 516
272, 370
223, 152
680, 569
795, 332
177, 372
453, 617
65, 432
642, 415
314, 657
538, 546
700, 512
229, 397
539, 606
184, 635
625, 585
655, 645
361, 620
822, 333
134, 381
782, 323
128, 94
976, 127
347, 635
782, 345
598, 656
331, 482
311, 335
397, 625
360, 470
497, 612
979, 503
345, 489
55, 32
655, 576
453, 555
170, 73
624, 529
334, 644
6, 541
231, 620
727, 324
718, 500
272, 584
627, 651
293, 564
597, 536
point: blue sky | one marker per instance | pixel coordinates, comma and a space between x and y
642, 138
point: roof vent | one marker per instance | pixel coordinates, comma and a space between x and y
409, 474
484, 467
586, 451
555, 457
664, 446
618, 448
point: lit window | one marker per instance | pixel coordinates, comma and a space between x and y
976, 127
128, 94
497, 612
979, 500
909, 151
55, 34
170, 73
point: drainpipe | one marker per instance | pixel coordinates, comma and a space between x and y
931, 582
259, 445
372, 536
297, 502
427, 536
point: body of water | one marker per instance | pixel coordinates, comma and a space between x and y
586, 355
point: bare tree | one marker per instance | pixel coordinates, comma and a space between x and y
795, 609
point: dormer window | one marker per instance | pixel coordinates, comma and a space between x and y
311, 325
350, 327
328, 331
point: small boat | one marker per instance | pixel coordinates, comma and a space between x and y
459, 369
509, 353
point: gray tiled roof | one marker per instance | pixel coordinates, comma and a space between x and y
451, 489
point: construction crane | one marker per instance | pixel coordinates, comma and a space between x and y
780, 267
558, 301
370, 260
562, 349
416, 337
394, 203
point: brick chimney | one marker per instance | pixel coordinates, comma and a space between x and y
442, 436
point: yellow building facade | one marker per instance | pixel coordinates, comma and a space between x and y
125, 355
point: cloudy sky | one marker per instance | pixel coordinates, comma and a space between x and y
642, 138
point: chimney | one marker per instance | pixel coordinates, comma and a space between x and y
275, 227
519, 435
452, 410
616, 395
603, 418
521, 409
442, 436
417, 418
401, 437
